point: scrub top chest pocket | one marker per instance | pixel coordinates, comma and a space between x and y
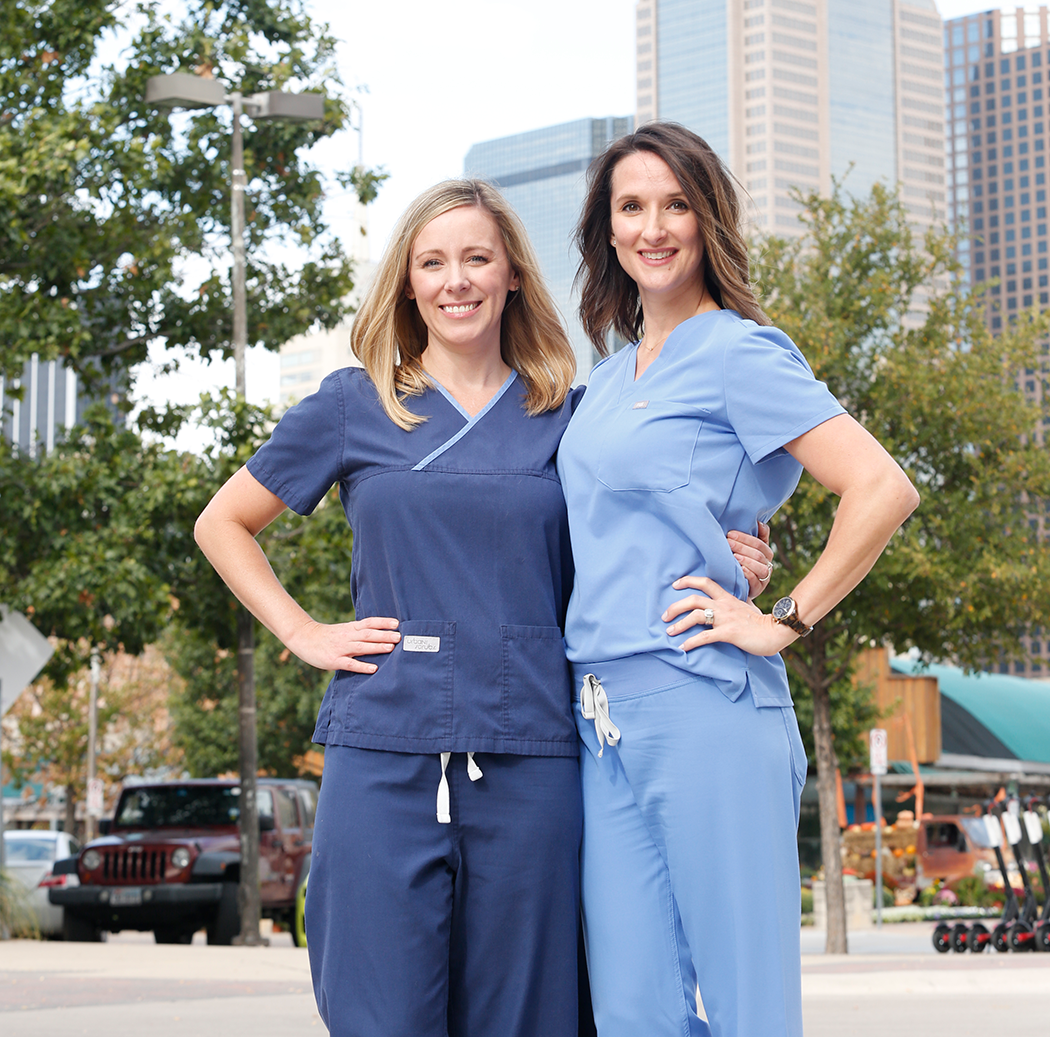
649, 445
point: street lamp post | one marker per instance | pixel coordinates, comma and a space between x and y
181, 90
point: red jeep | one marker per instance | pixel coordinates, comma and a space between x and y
170, 861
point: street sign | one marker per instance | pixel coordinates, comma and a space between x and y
879, 762
96, 798
23, 653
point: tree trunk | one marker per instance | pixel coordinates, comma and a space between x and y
829, 821
248, 900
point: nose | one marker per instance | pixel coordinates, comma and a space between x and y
655, 230
457, 279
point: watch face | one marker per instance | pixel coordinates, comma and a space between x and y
783, 608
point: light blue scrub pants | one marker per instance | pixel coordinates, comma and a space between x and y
690, 860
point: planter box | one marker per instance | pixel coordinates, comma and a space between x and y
859, 900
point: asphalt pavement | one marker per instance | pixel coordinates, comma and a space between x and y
891, 982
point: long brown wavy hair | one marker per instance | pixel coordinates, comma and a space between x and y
608, 296
389, 336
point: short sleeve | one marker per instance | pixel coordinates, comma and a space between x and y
303, 457
771, 394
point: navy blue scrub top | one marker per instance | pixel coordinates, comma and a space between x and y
460, 532
657, 470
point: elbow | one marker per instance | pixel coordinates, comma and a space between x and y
905, 496
201, 529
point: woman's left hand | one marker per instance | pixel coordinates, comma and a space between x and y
724, 617
754, 556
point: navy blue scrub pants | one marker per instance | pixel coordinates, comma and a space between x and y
690, 858
468, 929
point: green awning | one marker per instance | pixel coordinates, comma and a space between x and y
1015, 710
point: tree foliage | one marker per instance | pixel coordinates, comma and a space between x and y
904, 344
115, 228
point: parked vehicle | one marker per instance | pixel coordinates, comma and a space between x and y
29, 856
170, 861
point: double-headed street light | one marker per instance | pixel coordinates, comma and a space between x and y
182, 90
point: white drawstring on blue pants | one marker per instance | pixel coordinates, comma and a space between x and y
444, 814
595, 706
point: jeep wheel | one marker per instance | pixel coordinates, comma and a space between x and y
227, 921
80, 930
171, 934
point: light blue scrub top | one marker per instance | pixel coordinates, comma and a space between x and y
657, 471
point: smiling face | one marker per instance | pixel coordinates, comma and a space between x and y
459, 276
655, 232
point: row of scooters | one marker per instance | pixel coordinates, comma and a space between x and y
1022, 926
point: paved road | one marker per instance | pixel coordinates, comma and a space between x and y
893, 982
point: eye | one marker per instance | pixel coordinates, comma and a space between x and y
679, 206
429, 264
630, 207
478, 259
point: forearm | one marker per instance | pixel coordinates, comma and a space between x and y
868, 515
237, 557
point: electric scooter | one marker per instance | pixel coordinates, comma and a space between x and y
1021, 932
983, 831
978, 937
1034, 935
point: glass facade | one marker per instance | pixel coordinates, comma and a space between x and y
543, 174
693, 75
861, 93
36, 410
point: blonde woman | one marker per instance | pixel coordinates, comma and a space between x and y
444, 883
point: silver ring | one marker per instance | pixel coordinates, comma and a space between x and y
769, 573
709, 615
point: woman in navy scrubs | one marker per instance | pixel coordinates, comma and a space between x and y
692, 765
444, 886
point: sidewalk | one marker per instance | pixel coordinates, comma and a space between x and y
892, 983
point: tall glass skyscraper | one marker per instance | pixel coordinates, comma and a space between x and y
998, 112
793, 92
543, 174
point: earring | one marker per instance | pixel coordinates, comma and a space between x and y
613, 243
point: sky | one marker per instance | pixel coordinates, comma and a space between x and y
433, 77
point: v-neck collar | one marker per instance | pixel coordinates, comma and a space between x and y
471, 421
629, 379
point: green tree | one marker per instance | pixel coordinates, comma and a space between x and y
115, 229
904, 344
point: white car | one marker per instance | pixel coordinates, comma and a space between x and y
28, 856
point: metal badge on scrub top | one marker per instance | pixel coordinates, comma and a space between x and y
418, 643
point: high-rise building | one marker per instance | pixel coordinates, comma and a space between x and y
792, 93
40, 406
998, 112
543, 174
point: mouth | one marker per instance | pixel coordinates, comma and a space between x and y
658, 257
460, 308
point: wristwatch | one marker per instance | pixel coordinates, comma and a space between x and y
786, 611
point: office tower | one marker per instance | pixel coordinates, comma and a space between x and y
998, 75
543, 174
792, 93
39, 406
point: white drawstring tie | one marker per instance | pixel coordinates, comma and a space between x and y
595, 705
444, 814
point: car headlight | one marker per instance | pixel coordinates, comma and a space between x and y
91, 859
180, 857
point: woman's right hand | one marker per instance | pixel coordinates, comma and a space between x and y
335, 646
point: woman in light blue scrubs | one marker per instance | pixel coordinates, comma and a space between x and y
692, 765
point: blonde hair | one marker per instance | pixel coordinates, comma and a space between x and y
389, 336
